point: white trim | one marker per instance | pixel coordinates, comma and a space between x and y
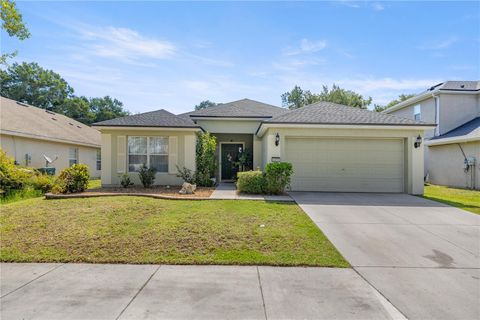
264, 126
46, 138
220, 156
146, 128
437, 142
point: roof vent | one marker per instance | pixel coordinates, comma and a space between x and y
462, 86
54, 119
23, 104
79, 127
70, 123
49, 112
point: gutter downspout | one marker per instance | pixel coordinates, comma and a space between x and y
437, 114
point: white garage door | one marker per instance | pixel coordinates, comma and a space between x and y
346, 165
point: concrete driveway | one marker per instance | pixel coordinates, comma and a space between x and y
421, 255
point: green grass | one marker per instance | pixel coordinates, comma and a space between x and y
19, 195
94, 184
464, 199
144, 230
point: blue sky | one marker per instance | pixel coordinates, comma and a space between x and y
153, 55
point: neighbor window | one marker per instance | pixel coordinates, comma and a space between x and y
417, 112
151, 151
72, 156
99, 160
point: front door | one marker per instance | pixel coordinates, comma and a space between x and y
229, 156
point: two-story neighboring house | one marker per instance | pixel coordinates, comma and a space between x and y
452, 149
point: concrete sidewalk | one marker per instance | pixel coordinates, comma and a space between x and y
94, 291
228, 191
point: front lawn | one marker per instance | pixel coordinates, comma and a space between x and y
144, 230
464, 199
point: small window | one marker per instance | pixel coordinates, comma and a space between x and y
137, 153
99, 160
417, 112
158, 153
72, 156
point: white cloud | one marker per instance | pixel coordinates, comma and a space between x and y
377, 6
438, 44
126, 44
306, 46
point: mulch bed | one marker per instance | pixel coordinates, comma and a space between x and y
161, 192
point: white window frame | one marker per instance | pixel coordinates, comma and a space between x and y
70, 159
98, 159
417, 111
148, 152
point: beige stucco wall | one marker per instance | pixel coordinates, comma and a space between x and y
427, 108
185, 156
413, 156
229, 126
18, 147
457, 109
446, 165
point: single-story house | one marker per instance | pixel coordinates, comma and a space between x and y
30, 135
452, 149
332, 147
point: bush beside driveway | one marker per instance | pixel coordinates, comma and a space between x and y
144, 230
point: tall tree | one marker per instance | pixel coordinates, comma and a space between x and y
77, 108
297, 98
106, 108
12, 23
205, 104
402, 97
30, 83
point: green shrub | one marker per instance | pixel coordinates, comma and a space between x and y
186, 174
205, 159
42, 182
277, 176
147, 176
126, 182
73, 179
251, 182
12, 177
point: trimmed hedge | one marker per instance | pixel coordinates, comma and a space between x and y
251, 182
273, 181
73, 179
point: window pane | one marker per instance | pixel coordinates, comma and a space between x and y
71, 162
135, 162
137, 145
159, 162
158, 145
72, 153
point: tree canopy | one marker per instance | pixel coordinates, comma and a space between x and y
13, 25
297, 98
30, 83
205, 104
402, 97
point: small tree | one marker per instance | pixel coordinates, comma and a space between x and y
205, 159
147, 176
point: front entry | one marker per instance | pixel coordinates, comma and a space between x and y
229, 155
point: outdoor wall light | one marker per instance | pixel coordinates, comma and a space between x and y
418, 142
277, 139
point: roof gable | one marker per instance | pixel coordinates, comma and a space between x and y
244, 108
26, 120
159, 118
332, 113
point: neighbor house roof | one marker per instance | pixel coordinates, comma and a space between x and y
469, 131
336, 114
159, 118
244, 108
467, 87
20, 119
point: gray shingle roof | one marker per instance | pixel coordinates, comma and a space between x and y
159, 118
332, 113
244, 108
25, 120
460, 86
467, 130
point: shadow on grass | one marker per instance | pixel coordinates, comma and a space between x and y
471, 208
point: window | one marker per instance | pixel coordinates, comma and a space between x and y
99, 160
72, 156
417, 112
151, 151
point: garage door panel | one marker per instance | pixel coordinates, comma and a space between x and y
354, 165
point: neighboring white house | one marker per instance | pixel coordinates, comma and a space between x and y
452, 149
27, 134
332, 147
